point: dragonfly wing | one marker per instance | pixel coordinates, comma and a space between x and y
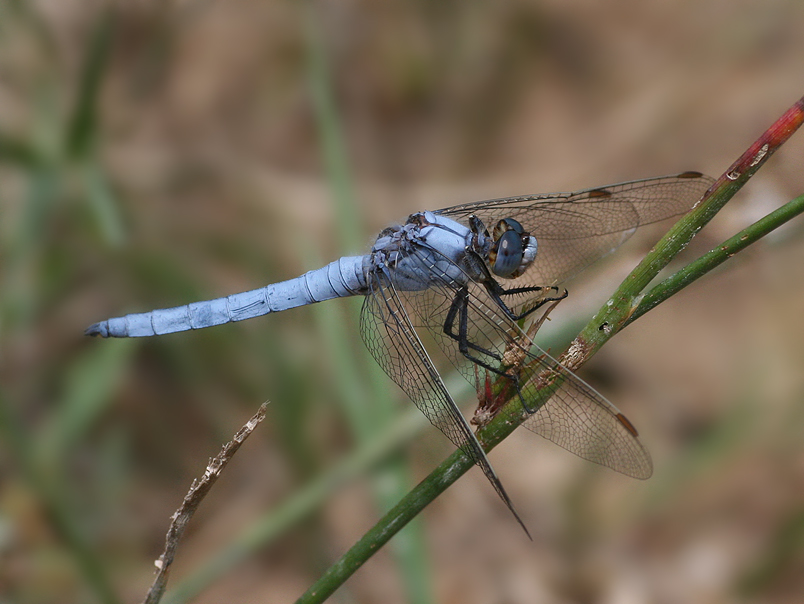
573, 230
579, 419
389, 335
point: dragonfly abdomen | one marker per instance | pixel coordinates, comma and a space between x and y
342, 278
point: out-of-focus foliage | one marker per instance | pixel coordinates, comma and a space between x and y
154, 153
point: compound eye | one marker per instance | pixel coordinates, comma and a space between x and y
505, 225
506, 256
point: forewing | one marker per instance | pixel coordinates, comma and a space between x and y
389, 335
573, 230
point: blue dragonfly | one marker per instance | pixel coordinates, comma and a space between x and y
469, 275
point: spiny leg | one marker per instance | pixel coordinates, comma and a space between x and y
497, 291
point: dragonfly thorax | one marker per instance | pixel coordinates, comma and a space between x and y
428, 248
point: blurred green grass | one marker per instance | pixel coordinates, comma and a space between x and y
140, 170
89, 385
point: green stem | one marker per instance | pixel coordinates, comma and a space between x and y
617, 312
406, 510
717, 256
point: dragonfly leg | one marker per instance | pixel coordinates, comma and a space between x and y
459, 310
497, 291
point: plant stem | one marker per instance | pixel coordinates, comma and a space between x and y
717, 256
618, 310
406, 510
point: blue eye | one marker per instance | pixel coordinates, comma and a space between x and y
509, 254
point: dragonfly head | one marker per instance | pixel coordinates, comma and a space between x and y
512, 250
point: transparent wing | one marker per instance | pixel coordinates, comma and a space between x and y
580, 420
575, 229
576, 417
392, 340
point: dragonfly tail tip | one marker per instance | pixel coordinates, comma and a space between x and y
97, 329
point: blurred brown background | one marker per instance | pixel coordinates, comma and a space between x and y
157, 153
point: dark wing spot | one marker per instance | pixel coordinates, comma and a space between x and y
598, 193
627, 423
690, 174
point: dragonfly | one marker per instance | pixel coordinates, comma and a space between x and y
471, 276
